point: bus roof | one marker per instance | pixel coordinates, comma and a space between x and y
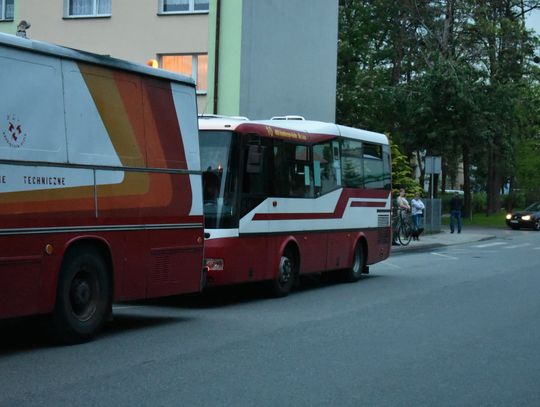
78, 55
306, 131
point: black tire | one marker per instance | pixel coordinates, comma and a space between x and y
287, 272
405, 233
536, 224
355, 271
83, 297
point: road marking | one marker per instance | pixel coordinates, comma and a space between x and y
480, 246
118, 307
387, 263
517, 245
445, 255
536, 248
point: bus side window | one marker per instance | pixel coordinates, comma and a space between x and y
292, 175
302, 185
325, 170
256, 173
373, 166
254, 161
351, 163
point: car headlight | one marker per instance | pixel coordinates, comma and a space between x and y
509, 216
526, 217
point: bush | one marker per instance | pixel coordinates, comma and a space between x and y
479, 202
514, 200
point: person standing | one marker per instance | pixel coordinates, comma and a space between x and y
456, 205
417, 211
402, 208
402, 202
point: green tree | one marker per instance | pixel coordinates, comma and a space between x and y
453, 78
402, 172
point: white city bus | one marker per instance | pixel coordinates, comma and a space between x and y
283, 198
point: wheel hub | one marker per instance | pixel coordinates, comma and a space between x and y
285, 270
82, 293
82, 298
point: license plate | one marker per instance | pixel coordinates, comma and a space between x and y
513, 221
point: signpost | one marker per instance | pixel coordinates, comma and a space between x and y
433, 166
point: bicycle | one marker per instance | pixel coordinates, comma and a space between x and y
403, 228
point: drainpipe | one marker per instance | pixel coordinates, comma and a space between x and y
216, 56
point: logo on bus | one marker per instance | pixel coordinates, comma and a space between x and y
13, 132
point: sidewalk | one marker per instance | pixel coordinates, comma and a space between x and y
444, 238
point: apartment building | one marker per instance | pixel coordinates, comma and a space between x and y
255, 58
172, 32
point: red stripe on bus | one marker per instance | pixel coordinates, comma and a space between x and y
346, 194
364, 204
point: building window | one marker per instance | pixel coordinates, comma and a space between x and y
195, 66
183, 6
87, 8
6, 10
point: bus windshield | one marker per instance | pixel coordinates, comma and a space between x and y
220, 178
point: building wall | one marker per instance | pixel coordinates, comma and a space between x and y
289, 58
134, 32
229, 56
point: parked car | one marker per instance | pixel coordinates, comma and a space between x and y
527, 218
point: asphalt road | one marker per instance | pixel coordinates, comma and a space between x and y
456, 326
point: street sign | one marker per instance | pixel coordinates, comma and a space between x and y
433, 164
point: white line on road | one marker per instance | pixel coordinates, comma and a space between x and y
387, 263
517, 245
490, 244
445, 255
117, 307
536, 248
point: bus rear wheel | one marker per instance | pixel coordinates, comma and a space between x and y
83, 296
286, 275
355, 271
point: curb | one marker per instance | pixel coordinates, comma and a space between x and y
413, 249
398, 250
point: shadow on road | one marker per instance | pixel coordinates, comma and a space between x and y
123, 323
216, 297
22, 334
26, 334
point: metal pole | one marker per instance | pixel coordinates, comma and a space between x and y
432, 185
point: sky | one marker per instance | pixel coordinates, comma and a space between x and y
533, 21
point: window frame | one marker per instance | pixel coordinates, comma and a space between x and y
194, 67
3, 9
190, 10
93, 15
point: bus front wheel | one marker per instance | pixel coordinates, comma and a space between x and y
284, 281
83, 296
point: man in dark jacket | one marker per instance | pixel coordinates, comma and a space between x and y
456, 204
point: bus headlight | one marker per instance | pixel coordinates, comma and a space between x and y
214, 264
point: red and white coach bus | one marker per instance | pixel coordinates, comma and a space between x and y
284, 198
100, 185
